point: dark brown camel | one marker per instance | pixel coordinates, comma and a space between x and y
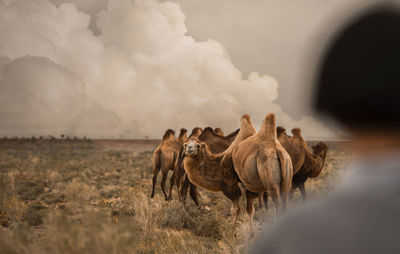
216, 144
164, 157
204, 168
305, 163
179, 173
312, 167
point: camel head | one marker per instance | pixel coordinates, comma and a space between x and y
193, 147
196, 132
319, 151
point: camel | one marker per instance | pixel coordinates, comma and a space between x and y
295, 150
204, 168
313, 164
293, 145
219, 131
179, 172
216, 144
262, 164
305, 164
164, 158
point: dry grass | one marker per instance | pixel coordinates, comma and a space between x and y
80, 197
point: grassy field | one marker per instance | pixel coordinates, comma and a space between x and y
83, 196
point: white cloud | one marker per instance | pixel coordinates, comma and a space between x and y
143, 73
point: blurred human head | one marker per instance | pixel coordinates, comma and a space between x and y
358, 83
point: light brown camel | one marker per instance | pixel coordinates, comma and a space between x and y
262, 165
164, 157
219, 131
216, 144
203, 168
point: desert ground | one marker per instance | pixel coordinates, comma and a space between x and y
93, 196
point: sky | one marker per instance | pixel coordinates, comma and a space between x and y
134, 68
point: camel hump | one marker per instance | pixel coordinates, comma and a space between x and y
296, 132
219, 131
183, 130
280, 130
270, 118
268, 128
208, 130
168, 134
245, 117
196, 131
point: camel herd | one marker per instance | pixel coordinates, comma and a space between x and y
265, 162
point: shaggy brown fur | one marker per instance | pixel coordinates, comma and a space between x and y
262, 164
182, 182
203, 169
293, 145
216, 144
164, 158
219, 131
312, 167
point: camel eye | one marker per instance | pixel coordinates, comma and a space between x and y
197, 146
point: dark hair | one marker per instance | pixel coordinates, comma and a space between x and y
359, 76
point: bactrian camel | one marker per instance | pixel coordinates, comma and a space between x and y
203, 168
164, 158
216, 144
263, 165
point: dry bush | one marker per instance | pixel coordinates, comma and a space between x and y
80, 193
79, 197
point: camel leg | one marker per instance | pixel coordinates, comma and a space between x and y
259, 202
303, 191
193, 194
235, 210
265, 198
178, 182
234, 193
184, 189
292, 190
156, 170
250, 196
164, 172
171, 184
284, 197
276, 199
